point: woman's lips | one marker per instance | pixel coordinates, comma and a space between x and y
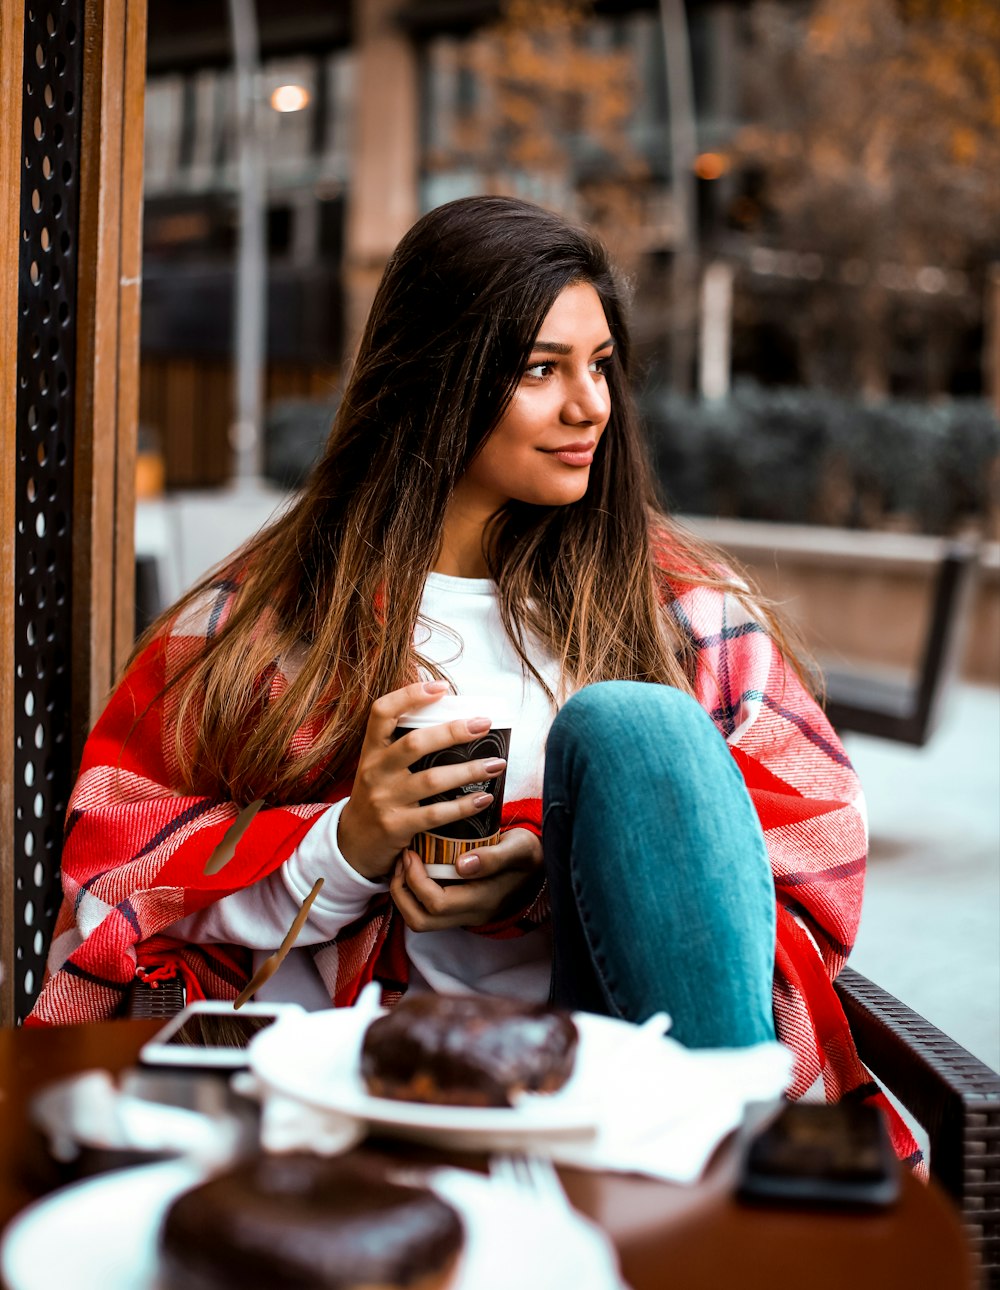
573, 454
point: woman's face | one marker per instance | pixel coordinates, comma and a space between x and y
542, 448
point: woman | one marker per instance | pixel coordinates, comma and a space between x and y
482, 520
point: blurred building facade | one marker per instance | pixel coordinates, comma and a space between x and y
398, 119
392, 87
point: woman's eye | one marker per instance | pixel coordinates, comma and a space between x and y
601, 365
538, 371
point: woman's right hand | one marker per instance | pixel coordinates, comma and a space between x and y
384, 810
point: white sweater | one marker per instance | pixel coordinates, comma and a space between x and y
459, 630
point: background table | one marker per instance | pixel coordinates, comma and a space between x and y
691, 1238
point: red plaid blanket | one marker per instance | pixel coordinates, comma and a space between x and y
136, 845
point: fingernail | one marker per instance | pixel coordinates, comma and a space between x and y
478, 725
494, 766
469, 864
435, 687
482, 799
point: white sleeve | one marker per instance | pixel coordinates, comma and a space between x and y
260, 915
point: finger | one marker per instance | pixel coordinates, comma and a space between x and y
465, 904
407, 876
388, 708
444, 779
401, 818
455, 898
409, 748
413, 913
433, 897
459, 904
436, 815
518, 851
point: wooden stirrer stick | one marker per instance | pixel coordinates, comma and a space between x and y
273, 961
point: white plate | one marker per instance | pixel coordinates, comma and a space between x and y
315, 1059
101, 1235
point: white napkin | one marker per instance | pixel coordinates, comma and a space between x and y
88, 1109
663, 1108
289, 1125
556, 1246
660, 1109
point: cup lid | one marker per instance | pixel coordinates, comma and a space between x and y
457, 707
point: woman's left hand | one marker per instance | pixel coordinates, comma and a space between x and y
427, 906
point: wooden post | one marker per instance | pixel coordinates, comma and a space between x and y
107, 369
70, 249
991, 341
715, 342
383, 199
683, 149
11, 59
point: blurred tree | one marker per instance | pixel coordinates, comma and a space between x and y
549, 118
875, 151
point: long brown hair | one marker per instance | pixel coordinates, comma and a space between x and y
328, 595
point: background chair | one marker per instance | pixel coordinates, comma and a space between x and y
908, 711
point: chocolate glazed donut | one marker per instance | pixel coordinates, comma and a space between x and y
303, 1222
467, 1050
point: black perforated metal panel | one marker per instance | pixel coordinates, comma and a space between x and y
46, 352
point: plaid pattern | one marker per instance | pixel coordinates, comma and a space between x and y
137, 843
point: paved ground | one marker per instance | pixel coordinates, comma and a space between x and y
930, 930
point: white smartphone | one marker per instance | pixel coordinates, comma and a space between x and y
212, 1034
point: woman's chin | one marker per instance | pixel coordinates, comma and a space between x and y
563, 493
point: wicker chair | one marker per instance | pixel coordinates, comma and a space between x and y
953, 1095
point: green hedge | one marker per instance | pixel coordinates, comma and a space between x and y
807, 457
792, 455
295, 433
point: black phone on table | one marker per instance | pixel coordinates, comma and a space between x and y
819, 1155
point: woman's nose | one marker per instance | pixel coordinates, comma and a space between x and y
587, 401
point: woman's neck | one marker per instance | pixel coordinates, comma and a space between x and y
461, 551
461, 561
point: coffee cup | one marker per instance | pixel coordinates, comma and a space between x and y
440, 849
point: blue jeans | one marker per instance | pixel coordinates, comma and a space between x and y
661, 889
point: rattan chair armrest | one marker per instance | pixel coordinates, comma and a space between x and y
155, 999
951, 1093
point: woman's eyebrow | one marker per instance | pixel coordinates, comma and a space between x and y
557, 347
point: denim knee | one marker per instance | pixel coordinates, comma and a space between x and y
615, 717
618, 747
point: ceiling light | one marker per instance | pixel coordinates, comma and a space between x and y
289, 98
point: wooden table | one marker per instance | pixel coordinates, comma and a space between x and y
691, 1238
